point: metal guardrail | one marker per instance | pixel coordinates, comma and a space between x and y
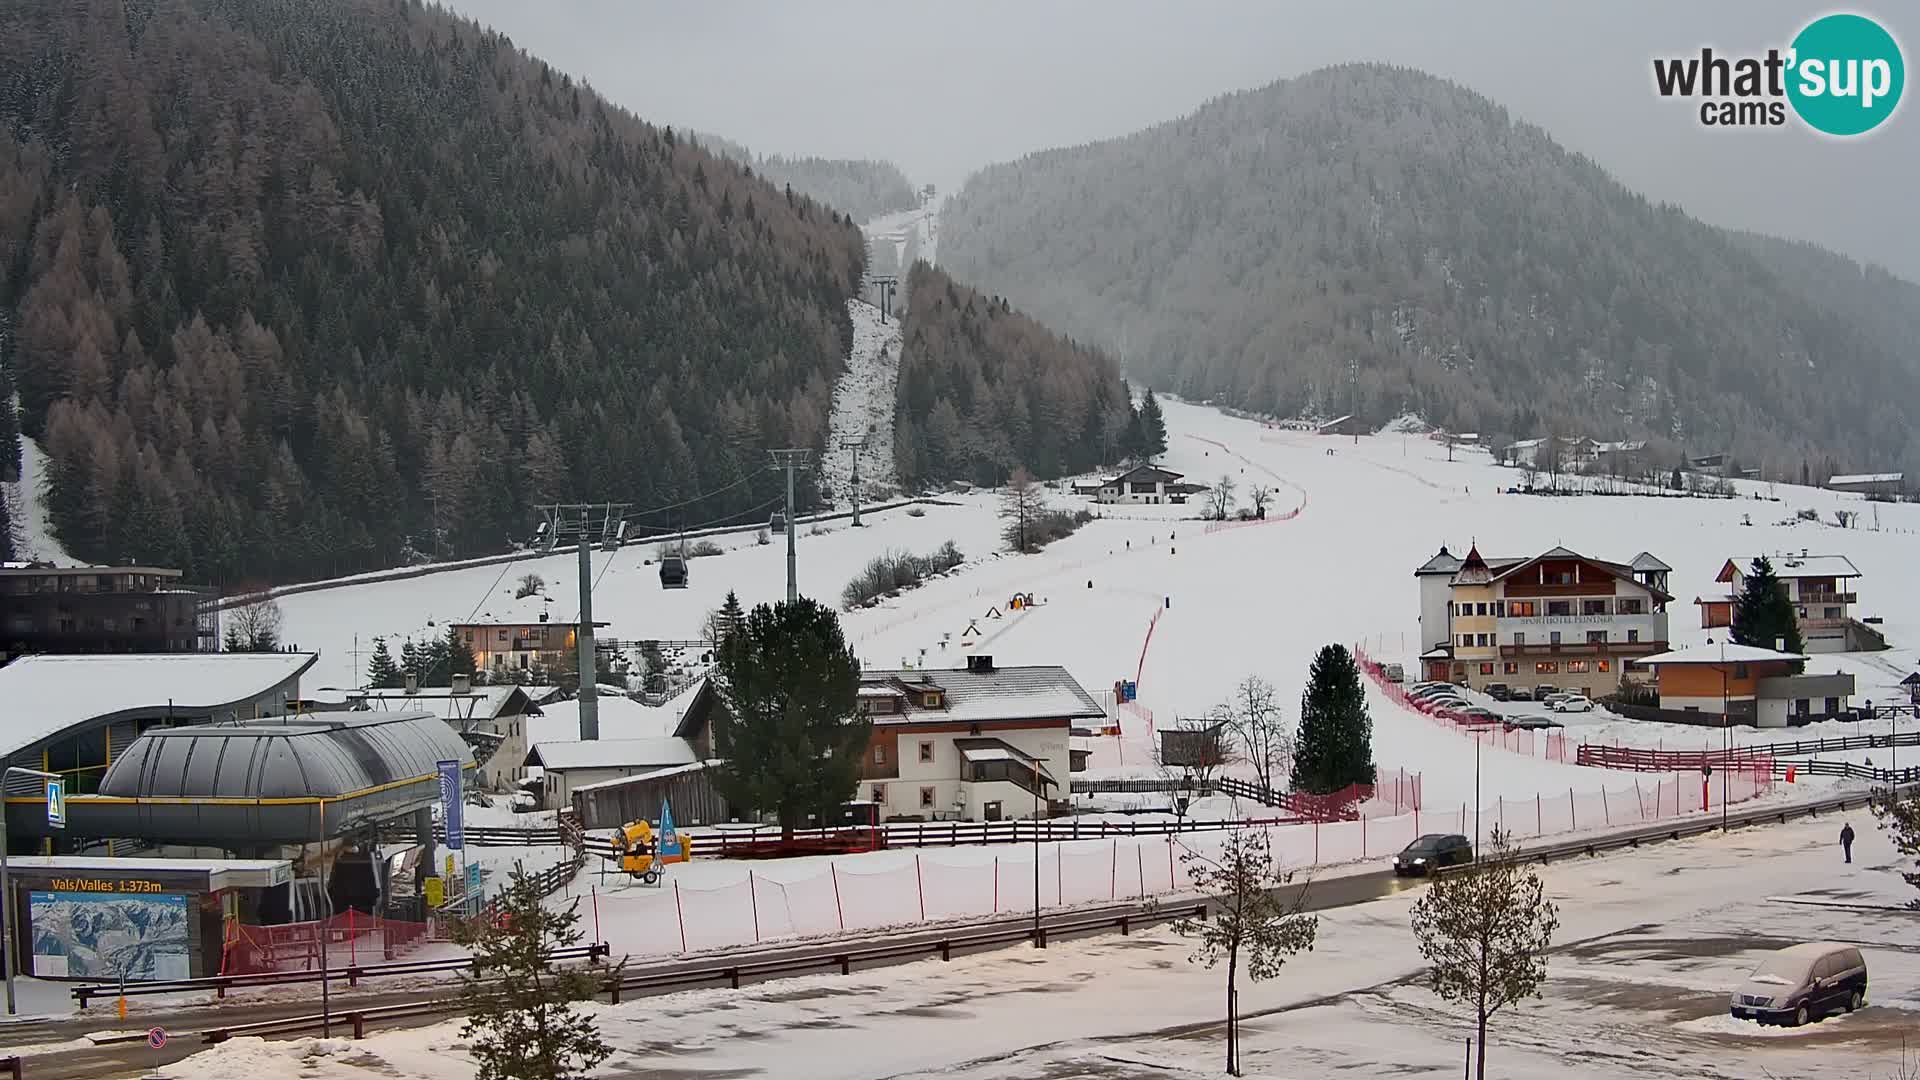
352, 974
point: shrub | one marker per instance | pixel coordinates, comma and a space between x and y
1051, 525
699, 549
897, 571
529, 585
916, 511
761, 538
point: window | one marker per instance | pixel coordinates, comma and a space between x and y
1480, 640
1519, 638
467, 636
1831, 613
1800, 706
503, 635
1466, 640
1499, 609
1553, 638
1523, 609
1487, 669
926, 751
1546, 667
1633, 635
1593, 607
1629, 605
1559, 607
1596, 637
880, 793
1480, 609
1510, 668
932, 701
1576, 667
1739, 671
926, 798
1833, 705
1603, 665
879, 754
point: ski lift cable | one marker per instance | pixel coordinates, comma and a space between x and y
690, 500
604, 567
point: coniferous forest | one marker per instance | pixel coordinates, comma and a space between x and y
1374, 240
290, 286
984, 389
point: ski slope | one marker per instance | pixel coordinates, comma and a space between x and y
863, 401
1257, 599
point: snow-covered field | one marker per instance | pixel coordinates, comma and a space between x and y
1650, 944
26, 508
1245, 600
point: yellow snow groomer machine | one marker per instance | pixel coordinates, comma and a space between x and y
638, 848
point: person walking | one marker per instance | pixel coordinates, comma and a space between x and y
1846, 840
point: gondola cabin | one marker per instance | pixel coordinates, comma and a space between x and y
673, 572
777, 523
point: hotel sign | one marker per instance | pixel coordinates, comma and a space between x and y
1563, 620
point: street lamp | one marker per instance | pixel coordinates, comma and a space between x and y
7, 943
1038, 941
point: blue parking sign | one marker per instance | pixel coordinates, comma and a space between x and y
57, 803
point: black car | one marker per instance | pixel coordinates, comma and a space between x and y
1499, 691
1531, 722
1519, 693
1433, 850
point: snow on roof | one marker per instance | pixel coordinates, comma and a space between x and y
612, 754
656, 774
620, 718
1646, 561
1795, 566
46, 695
1001, 693
1719, 654
881, 692
1868, 478
482, 701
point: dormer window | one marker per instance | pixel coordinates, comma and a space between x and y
930, 700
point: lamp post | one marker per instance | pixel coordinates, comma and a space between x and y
7, 951
1476, 796
1038, 941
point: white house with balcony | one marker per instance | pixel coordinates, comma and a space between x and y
1822, 589
1559, 618
1143, 484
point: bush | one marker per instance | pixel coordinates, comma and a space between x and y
897, 571
1051, 525
529, 585
916, 511
761, 538
699, 549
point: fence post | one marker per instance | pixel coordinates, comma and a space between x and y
359, 1022
1113, 874
919, 885
680, 911
353, 948
1539, 819
1573, 812
996, 887
1140, 864
753, 897
1170, 882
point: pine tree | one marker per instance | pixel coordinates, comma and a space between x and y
730, 616
459, 655
1153, 428
1335, 744
521, 1023
412, 662
1763, 617
382, 672
788, 728
1485, 930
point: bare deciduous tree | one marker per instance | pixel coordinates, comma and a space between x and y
1220, 499
1250, 922
1254, 719
1260, 495
1485, 930
529, 585
1020, 504
1192, 753
253, 626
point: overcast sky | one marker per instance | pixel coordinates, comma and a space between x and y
943, 89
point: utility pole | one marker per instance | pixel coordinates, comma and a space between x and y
856, 445
589, 686
787, 459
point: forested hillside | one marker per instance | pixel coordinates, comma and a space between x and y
863, 188
1373, 239
984, 389
287, 286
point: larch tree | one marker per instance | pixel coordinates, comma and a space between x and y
1021, 503
1220, 499
788, 727
1484, 931
1249, 924
1334, 747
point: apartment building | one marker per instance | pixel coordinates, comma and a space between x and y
1559, 618
1823, 592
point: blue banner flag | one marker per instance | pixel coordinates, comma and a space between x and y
669, 840
450, 803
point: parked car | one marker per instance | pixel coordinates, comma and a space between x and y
1554, 698
1447, 702
1519, 693
1475, 714
1498, 691
1395, 673
1801, 983
1426, 692
1544, 691
1573, 703
1531, 722
1431, 851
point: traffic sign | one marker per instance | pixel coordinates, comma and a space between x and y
157, 1037
436, 892
57, 803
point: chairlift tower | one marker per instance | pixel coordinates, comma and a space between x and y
585, 525
788, 459
856, 445
886, 286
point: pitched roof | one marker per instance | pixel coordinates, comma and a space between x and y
1645, 561
1792, 566
1718, 654
1043, 692
1443, 563
1619, 570
612, 754
1137, 470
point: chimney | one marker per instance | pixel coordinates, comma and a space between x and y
413, 684
461, 684
979, 662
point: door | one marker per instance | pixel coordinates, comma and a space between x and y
992, 811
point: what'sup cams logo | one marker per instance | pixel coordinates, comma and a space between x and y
1842, 75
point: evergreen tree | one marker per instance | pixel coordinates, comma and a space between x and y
1763, 617
521, 1023
459, 655
413, 662
730, 616
436, 661
1335, 744
1153, 428
788, 728
1132, 437
382, 672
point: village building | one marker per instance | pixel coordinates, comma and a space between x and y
1889, 485
491, 719
503, 647
568, 766
103, 609
1741, 684
1823, 593
1558, 618
1144, 484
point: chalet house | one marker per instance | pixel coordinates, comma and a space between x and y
1143, 484
1341, 425
1558, 618
1573, 451
1747, 685
577, 764
500, 646
1888, 485
103, 609
1823, 593
980, 743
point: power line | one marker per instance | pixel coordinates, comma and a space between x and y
722, 520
